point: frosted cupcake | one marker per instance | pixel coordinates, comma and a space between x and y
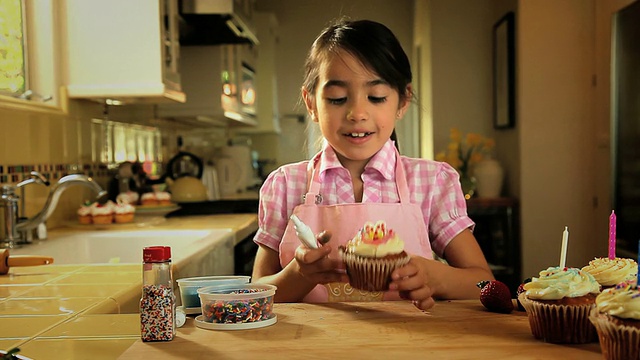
558, 303
149, 199
616, 318
123, 213
163, 198
372, 255
129, 197
84, 214
610, 272
102, 214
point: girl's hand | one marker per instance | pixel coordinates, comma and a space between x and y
413, 281
316, 265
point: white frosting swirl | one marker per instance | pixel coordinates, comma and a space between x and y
124, 208
393, 246
84, 211
375, 240
163, 195
622, 301
106, 209
610, 272
556, 283
130, 197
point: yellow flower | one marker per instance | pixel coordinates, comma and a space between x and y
464, 155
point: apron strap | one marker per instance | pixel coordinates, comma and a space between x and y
401, 179
313, 181
313, 197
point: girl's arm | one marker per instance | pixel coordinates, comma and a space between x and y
467, 266
309, 268
424, 279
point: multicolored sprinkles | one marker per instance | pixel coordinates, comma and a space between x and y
157, 313
630, 286
239, 311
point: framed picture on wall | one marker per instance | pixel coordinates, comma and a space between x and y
504, 111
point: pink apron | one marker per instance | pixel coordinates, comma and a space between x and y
344, 221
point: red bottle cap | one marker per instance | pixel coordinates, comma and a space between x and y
156, 254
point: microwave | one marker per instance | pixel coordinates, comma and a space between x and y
219, 82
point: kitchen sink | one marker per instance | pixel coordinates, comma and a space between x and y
92, 247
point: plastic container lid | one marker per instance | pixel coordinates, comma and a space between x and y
226, 292
153, 254
201, 323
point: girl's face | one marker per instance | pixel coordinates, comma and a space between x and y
355, 108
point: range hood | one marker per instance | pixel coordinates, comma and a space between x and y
214, 22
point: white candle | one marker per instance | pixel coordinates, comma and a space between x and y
563, 250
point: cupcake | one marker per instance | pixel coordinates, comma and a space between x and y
102, 214
558, 304
372, 255
123, 213
616, 318
163, 197
610, 272
149, 199
129, 197
84, 214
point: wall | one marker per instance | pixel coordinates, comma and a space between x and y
557, 156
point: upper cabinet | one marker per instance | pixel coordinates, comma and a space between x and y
219, 83
29, 58
122, 51
268, 116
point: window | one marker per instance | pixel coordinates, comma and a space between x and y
116, 142
13, 75
29, 59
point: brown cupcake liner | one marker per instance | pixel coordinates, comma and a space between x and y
559, 324
371, 274
617, 341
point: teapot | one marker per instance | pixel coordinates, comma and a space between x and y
186, 189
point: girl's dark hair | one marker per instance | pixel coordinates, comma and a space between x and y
371, 43
368, 41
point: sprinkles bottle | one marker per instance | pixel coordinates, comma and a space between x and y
157, 305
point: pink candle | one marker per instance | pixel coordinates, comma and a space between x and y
612, 235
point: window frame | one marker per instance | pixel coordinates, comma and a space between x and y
42, 37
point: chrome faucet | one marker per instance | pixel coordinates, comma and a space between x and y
13, 231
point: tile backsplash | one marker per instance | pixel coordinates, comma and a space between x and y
56, 145
11, 174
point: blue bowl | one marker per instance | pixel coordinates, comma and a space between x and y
189, 287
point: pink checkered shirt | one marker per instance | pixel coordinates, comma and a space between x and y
434, 185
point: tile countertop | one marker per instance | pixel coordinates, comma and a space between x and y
75, 311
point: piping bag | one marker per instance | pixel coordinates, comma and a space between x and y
7, 261
306, 236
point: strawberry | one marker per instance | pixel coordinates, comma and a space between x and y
520, 291
495, 296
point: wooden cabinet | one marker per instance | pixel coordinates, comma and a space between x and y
497, 231
268, 116
121, 50
212, 81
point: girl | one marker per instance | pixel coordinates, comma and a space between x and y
357, 85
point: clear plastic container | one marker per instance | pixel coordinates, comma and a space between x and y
189, 287
246, 303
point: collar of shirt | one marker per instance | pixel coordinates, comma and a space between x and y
384, 161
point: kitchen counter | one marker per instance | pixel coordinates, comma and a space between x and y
87, 310
450, 330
